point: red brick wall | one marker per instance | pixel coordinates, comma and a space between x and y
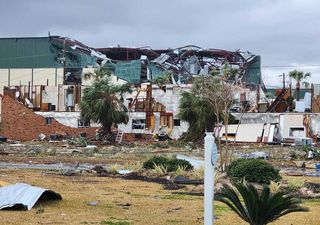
21, 123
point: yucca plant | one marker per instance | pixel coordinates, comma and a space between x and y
257, 207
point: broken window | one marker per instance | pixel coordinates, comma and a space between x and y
139, 124
48, 120
83, 123
297, 132
176, 122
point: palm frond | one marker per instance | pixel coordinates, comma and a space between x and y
257, 207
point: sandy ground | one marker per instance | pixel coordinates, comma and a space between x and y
123, 202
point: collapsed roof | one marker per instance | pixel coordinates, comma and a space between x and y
138, 65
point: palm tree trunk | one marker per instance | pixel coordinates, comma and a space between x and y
298, 91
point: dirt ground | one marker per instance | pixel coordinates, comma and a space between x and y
124, 202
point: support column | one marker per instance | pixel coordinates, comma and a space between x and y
9, 75
210, 160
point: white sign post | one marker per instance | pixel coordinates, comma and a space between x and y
210, 160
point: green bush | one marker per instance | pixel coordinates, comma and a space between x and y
170, 164
174, 164
253, 170
156, 160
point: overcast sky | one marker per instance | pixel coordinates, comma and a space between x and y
285, 33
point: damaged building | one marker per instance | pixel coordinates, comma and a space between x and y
43, 86
142, 66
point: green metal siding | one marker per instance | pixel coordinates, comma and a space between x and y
129, 71
253, 71
40, 53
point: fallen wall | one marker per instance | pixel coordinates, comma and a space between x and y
21, 123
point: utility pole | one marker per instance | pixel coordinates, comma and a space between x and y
284, 80
64, 61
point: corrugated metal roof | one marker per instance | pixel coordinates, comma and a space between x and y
24, 196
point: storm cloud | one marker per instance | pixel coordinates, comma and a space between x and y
284, 32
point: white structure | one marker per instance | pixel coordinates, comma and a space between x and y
210, 160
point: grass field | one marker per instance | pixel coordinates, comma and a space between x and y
124, 202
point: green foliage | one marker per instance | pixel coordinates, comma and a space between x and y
98, 74
299, 76
103, 103
253, 170
315, 152
257, 208
170, 164
111, 222
174, 164
82, 142
198, 113
163, 80
156, 160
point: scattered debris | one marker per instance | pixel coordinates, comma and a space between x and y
124, 172
41, 136
22, 196
255, 155
94, 203
183, 180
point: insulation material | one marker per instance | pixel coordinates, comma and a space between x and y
49, 95
257, 117
69, 119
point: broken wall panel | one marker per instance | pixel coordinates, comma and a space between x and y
292, 126
248, 133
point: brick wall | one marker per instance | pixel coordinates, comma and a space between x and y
21, 123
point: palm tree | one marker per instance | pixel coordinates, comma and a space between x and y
299, 76
103, 101
257, 208
98, 74
198, 113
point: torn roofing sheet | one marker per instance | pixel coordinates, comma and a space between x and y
24, 196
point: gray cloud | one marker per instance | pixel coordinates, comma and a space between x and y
283, 32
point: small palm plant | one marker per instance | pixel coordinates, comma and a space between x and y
257, 207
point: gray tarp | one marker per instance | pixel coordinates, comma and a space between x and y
24, 196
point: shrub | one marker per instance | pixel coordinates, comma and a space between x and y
156, 160
174, 164
253, 170
170, 164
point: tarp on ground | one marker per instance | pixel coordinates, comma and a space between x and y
22, 196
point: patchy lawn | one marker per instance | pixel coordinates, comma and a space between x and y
123, 202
